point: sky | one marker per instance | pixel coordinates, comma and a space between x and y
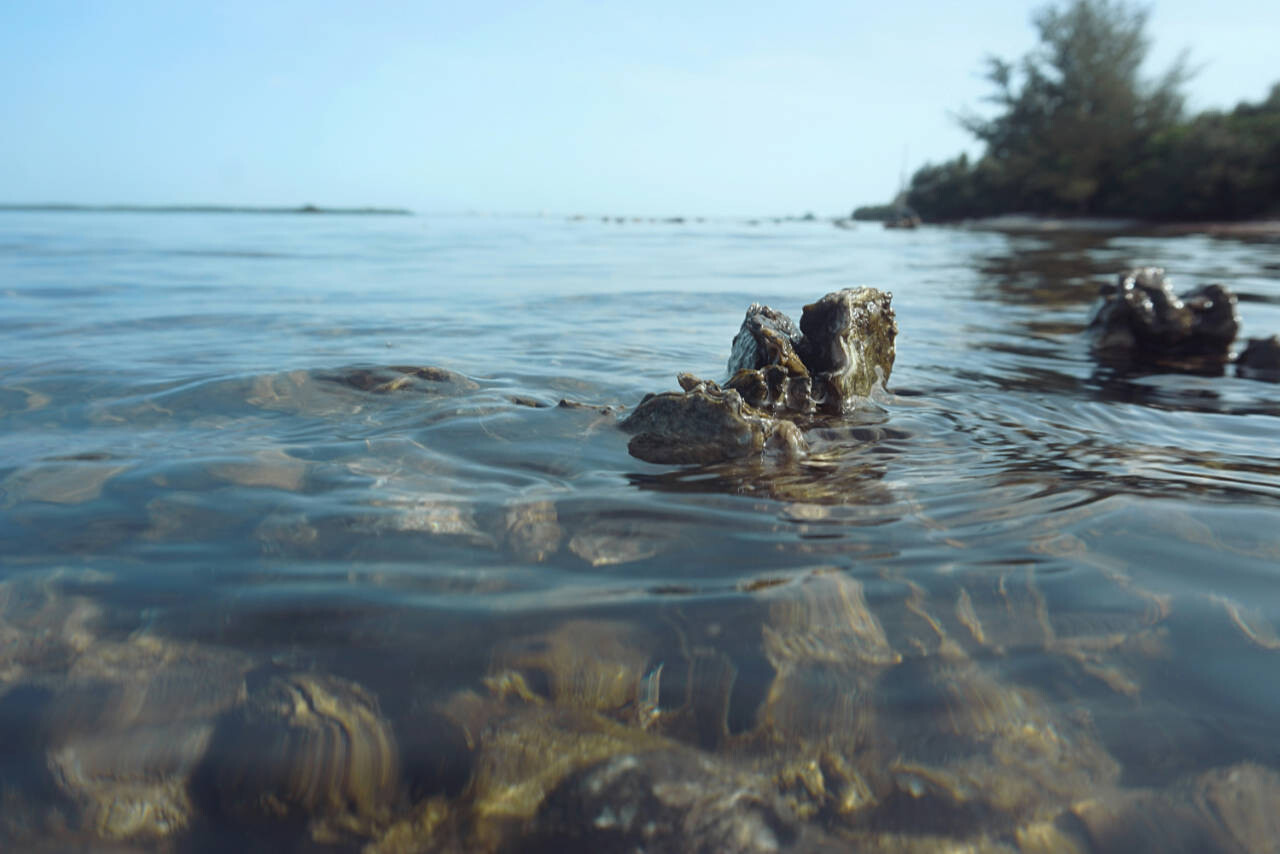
654, 108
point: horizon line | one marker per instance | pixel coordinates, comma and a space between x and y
71, 207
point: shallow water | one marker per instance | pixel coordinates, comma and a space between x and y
200, 482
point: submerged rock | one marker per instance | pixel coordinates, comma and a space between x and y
843, 349
306, 747
1141, 320
131, 725
398, 377
598, 665
666, 800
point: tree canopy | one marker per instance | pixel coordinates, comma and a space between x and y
1079, 131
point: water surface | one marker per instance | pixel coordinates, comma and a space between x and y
202, 482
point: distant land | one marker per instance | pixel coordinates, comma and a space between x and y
232, 209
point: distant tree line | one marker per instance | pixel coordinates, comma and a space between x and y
1079, 133
878, 213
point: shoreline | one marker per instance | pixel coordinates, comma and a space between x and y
1030, 224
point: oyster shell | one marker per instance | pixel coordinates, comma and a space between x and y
1141, 320
846, 350
306, 746
704, 424
848, 345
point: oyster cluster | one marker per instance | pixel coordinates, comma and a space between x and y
779, 376
1141, 321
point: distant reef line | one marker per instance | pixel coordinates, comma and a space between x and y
56, 207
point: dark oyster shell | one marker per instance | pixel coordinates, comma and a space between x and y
848, 345
1142, 321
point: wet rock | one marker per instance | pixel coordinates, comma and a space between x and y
43, 627
551, 778
526, 751
704, 424
828, 652
1141, 320
843, 349
132, 785
272, 468
1001, 752
1260, 359
612, 541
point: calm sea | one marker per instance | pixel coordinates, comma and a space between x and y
258, 586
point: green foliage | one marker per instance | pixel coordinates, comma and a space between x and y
876, 213
1218, 165
1079, 132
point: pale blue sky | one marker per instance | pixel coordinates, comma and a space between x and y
734, 108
